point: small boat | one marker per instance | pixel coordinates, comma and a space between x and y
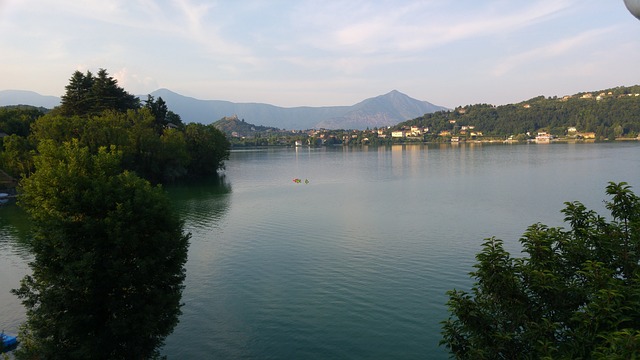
8, 342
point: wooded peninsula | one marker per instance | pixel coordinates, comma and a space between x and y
153, 141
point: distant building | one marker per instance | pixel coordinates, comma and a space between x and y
398, 134
588, 135
543, 137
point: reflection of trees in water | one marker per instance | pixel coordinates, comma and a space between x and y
201, 202
15, 229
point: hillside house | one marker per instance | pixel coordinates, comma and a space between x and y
398, 134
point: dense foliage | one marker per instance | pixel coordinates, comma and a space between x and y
89, 94
574, 295
109, 257
609, 113
95, 111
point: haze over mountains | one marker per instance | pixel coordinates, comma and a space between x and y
380, 111
24, 97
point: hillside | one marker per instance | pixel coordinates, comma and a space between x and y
233, 126
609, 113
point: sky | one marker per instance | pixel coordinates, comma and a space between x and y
324, 52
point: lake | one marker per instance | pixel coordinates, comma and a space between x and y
356, 262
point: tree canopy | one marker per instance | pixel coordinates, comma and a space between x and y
87, 94
574, 295
109, 257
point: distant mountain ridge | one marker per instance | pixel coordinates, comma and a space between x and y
380, 111
24, 97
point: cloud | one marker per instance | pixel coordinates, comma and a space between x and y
417, 26
549, 50
134, 83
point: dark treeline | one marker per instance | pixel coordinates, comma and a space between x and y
609, 113
153, 140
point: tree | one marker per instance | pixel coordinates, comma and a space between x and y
77, 98
575, 294
18, 119
207, 146
107, 95
16, 155
163, 115
91, 95
109, 255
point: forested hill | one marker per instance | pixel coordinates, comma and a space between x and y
231, 124
608, 113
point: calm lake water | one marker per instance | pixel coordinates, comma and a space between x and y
355, 264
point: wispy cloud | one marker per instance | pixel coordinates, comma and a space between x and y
548, 51
419, 26
397, 32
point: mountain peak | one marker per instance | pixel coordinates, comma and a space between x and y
393, 94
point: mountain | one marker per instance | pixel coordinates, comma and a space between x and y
22, 97
380, 111
383, 110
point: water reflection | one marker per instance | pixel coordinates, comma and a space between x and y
14, 258
15, 229
203, 202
